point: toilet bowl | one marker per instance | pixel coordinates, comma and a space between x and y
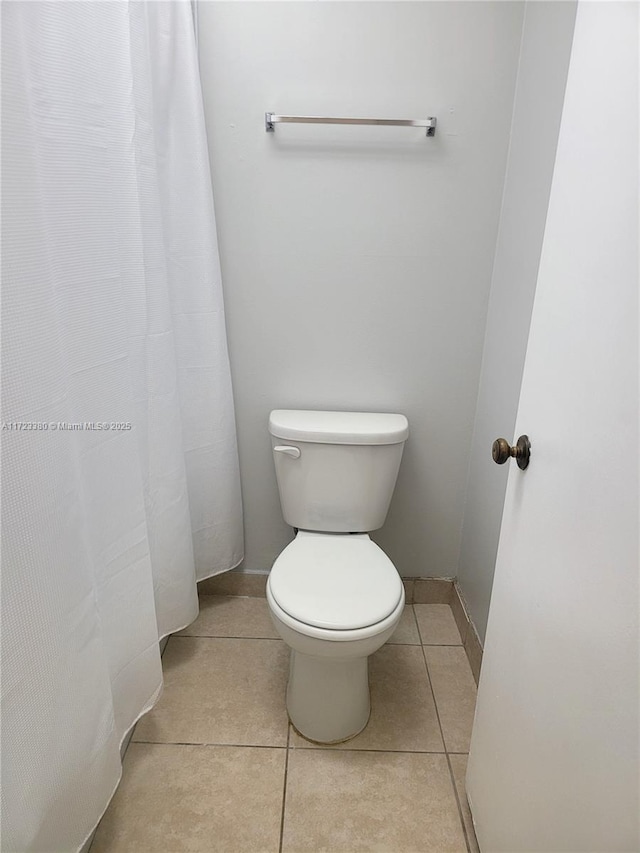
334, 599
334, 596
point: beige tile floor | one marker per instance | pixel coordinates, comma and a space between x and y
217, 767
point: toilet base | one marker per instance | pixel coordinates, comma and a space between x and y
328, 698
327, 742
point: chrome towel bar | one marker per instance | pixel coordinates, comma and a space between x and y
271, 119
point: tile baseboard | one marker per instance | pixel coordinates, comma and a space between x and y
468, 633
429, 590
417, 591
251, 584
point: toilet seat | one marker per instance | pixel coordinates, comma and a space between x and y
335, 583
354, 638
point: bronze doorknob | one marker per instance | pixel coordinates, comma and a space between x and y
521, 451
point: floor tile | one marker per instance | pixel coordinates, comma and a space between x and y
231, 616
407, 631
342, 802
455, 692
459, 767
403, 714
220, 691
175, 798
437, 625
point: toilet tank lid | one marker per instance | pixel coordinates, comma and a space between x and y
339, 427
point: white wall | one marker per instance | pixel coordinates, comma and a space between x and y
546, 46
357, 261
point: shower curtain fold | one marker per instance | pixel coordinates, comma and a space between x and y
120, 484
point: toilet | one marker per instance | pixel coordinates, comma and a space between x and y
333, 594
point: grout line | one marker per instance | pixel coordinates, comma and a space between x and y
452, 645
451, 777
455, 792
330, 748
416, 623
229, 637
221, 637
433, 696
278, 639
231, 595
208, 743
209, 637
220, 595
284, 787
318, 748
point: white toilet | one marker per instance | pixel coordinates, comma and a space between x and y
334, 595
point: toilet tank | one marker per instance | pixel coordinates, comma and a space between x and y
336, 471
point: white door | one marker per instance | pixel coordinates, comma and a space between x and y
554, 762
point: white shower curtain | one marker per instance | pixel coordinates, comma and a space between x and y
119, 463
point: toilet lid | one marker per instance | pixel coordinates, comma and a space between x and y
335, 582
